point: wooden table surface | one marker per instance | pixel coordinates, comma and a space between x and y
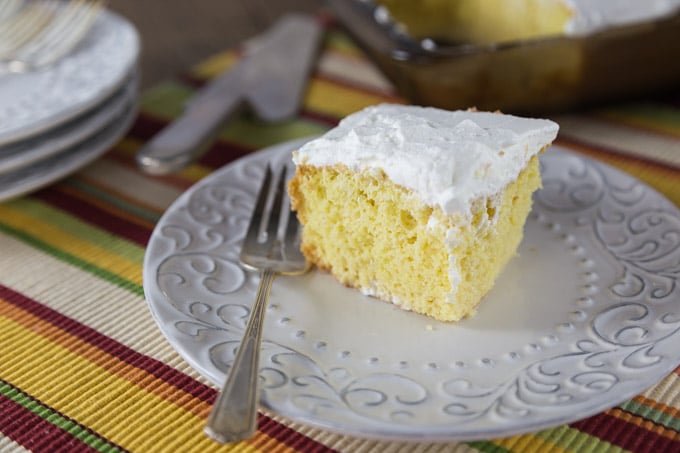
177, 34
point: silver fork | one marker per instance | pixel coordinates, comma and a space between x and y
36, 34
234, 415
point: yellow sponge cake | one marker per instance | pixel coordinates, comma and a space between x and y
419, 206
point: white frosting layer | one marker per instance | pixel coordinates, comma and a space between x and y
594, 15
448, 159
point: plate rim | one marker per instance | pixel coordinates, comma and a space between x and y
403, 433
93, 147
25, 131
76, 133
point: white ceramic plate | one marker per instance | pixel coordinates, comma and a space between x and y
28, 151
46, 171
33, 102
584, 318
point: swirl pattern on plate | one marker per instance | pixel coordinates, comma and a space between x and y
609, 244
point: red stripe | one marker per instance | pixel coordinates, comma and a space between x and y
35, 433
626, 435
110, 346
94, 215
219, 154
222, 152
192, 80
154, 367
317, 117
146, 126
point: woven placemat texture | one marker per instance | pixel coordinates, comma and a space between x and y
83, 367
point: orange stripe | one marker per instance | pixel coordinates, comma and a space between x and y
139, 378
657, 406
101, 358
646, 424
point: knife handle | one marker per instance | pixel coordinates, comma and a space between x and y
188, 136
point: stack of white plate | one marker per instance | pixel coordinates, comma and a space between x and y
56, 120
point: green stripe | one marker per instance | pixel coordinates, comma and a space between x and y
649, 413
110, 199
43, 212
487, 447
44, 412
73, 260
167, 100
340, 41
248, 132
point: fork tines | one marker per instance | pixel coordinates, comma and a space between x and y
263, 242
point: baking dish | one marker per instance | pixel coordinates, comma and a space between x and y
533, 76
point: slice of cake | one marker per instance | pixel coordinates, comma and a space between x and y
419, 206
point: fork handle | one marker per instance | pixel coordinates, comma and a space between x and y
234, 416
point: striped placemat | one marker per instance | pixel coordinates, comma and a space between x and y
83, 366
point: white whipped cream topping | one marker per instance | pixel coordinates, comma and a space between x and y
595, 15
449, 159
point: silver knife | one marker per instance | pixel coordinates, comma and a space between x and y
271, 79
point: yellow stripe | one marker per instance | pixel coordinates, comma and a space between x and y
107, 403
62, 240
128, 146
528, 443
345, 100
196, 172
215, 65
121, 411
105, 360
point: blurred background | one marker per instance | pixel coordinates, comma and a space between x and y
176, 34
537, 76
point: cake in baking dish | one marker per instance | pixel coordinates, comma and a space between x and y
492, 21
419, 206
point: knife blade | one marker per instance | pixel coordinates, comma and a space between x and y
271, 79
